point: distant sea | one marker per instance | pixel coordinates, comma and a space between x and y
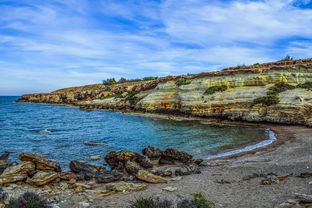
58, 132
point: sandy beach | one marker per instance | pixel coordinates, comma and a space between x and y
289, 156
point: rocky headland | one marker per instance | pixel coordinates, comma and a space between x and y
277, 92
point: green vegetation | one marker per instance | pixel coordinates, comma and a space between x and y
149, 78
182, 81
109, 81
118, 95
306, 85
132, 98
272, 94
122, 80
214, 89
287, 58
256, 64
107, 88
29, 200
198, 201
150, 203
267, 100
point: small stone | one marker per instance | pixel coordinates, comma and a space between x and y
85, 204
72, 181
269, 180
123, 186
310, 183
94, 158
179, 178
170, 189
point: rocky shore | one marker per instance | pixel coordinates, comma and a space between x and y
277, 92
128, 171
278, 175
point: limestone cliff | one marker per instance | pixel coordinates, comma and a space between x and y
188, 94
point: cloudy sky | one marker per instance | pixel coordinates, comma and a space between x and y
50, 44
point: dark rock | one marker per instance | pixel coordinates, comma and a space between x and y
187, 170
3, 196
305, 175
108, 177
144, 161
77, 166
4, 161
117, 160
173, 155
152, 152
132, 167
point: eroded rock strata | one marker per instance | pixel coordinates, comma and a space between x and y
227, 94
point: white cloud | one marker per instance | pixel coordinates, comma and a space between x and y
63, 43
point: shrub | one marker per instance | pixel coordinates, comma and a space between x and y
306, 85
29, 200
272, 94
214, 89
151, 203
132, 98
279, 87
118, 95
200, 201
182, 81
267, 100
107, 88
149, 78
122, 80
287, 58
109, 81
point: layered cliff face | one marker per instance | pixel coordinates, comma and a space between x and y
236, 101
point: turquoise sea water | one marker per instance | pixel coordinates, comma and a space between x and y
59, 132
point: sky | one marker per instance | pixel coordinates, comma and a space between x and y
52, 44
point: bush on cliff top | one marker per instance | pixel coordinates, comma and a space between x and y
214, 89
29, 200
182, 81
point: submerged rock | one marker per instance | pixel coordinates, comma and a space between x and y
146, 176
4, 161
40, 162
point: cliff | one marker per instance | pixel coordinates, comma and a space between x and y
277, 92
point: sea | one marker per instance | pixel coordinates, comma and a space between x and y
59, 132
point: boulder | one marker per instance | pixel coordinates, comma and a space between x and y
132, 167
43, 177
187, 170
77, 166
117, 160
67, 176
124, 186
144, 161
152, 153
4, 161
172, 156
40, 162
22, 168
146, 176
108, 177
12, 178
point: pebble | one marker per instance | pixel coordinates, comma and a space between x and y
310, 183
176, 178
85, 204
170, 189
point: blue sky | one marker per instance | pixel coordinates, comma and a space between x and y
51, 44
